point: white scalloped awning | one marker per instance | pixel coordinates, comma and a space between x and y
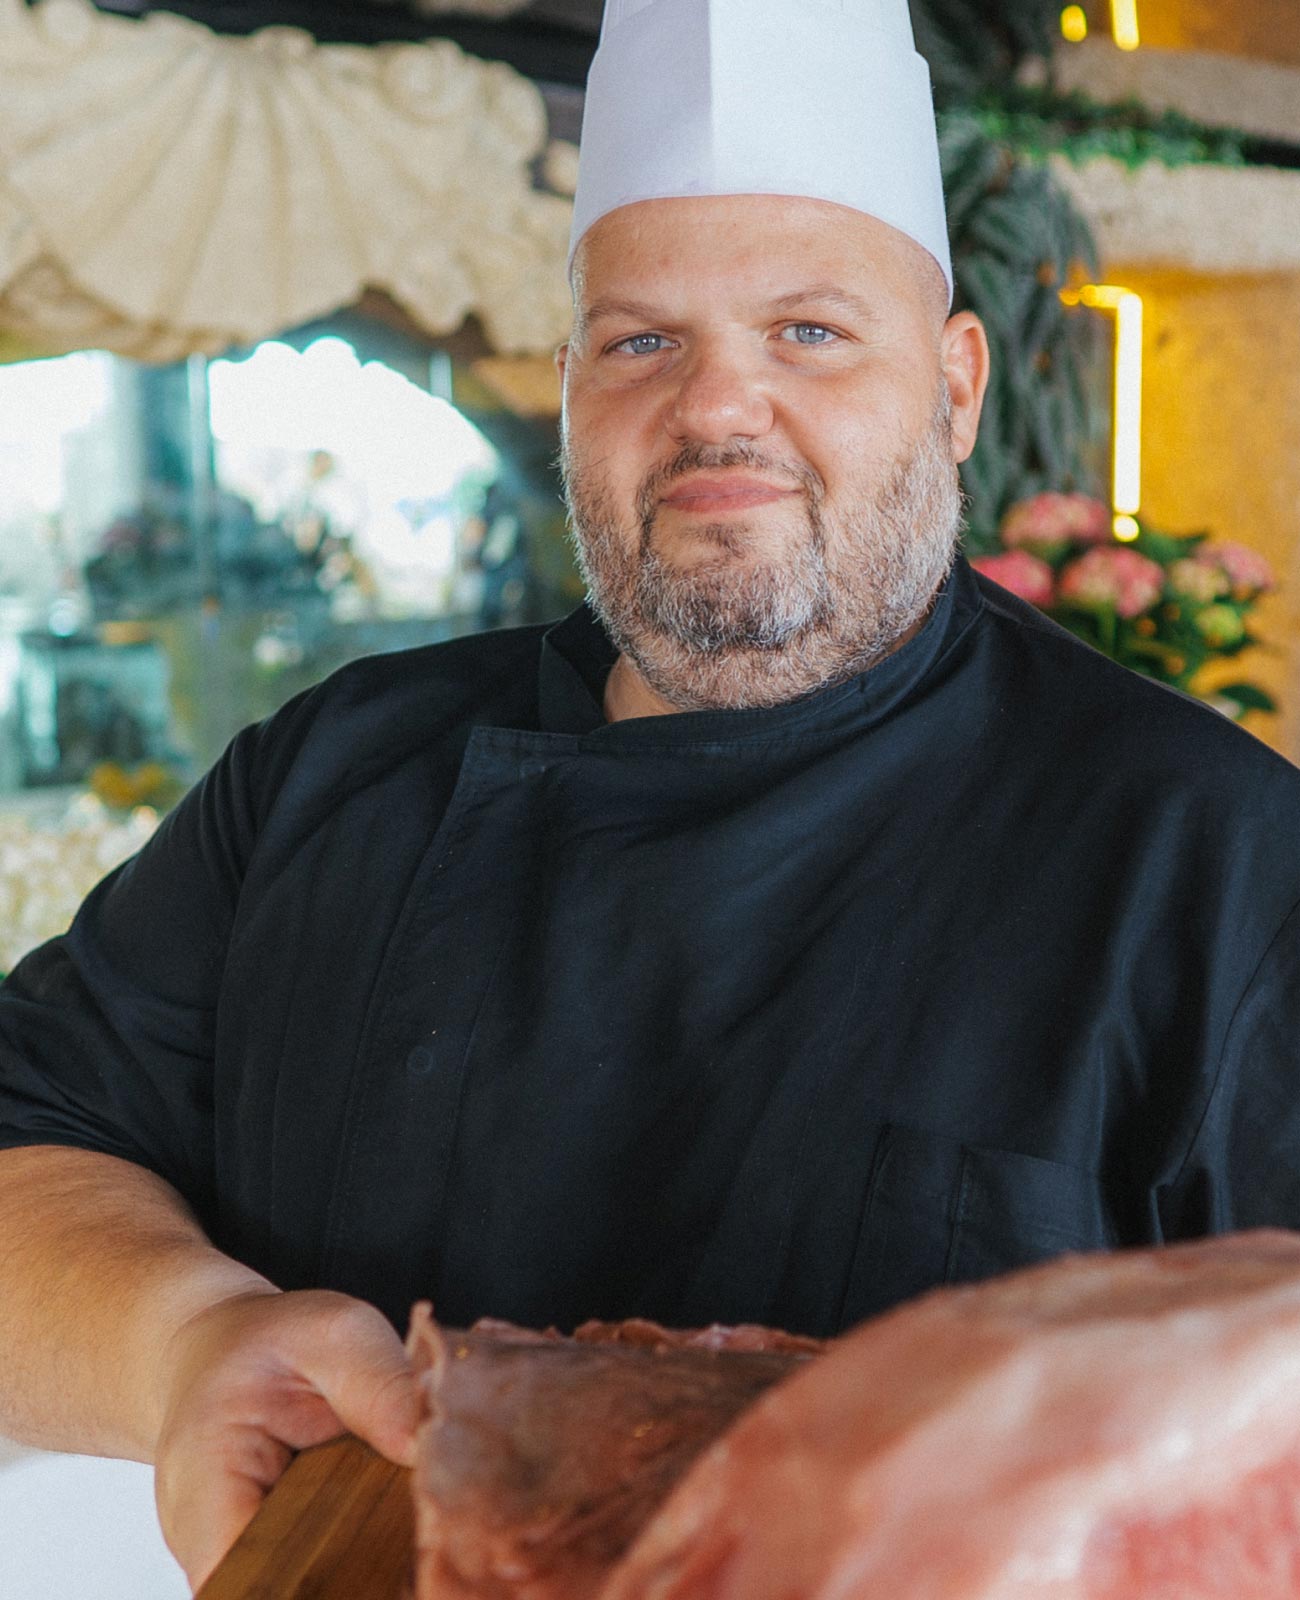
164, 189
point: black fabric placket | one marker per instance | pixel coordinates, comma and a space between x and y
409, 1075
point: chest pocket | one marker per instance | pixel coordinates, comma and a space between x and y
938, 1211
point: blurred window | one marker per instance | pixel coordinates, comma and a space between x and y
183, 548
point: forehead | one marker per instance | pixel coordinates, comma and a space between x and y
709, 247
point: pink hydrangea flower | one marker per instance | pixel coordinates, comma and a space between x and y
1113, 575
1053, 519
1247, 571
1023, 574
1203, 581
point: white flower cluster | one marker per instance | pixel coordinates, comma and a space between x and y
49, 863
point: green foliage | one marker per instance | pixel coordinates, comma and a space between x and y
1039, 122
1017, 241
1247, 697
972, 45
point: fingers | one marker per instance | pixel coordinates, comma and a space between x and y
204, 1505
360, 1366
259, 1378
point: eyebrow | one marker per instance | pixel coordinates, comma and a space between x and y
831, 296
827, 295
632, 310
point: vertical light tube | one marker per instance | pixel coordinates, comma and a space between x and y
1126, 468
1124, 24
1128, 405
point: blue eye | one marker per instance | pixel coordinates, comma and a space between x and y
819, 335
643, 344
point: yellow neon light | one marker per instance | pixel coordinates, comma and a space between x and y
1126, 487
1124, 24
1074, 24
1128, 405
1096, 296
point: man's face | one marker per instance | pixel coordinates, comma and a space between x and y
759, 443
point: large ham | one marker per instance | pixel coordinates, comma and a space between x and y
541, 1457
1104, 1428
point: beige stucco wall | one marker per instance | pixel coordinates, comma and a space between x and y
1222, 437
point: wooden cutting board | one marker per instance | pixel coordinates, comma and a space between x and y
337, 1526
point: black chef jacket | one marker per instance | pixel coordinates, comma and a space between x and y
439, 985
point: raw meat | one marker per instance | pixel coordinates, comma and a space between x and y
541, 1457
1121, 1427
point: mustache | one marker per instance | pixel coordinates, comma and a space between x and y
696, 457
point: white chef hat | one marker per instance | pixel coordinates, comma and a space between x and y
827, 99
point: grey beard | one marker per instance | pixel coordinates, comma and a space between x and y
735, 636
758, 608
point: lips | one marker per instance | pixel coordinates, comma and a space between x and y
731, 492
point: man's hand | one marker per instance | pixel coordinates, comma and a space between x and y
124, 1332
253, 1379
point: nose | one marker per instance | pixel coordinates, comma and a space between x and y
719, 397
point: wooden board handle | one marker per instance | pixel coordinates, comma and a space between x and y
337, 1526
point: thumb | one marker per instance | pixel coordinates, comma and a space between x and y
359, 1366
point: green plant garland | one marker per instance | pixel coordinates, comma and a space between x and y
1039, 122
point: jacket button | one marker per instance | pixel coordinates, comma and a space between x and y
419, 1064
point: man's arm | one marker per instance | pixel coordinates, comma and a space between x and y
100, 1261
124, 1332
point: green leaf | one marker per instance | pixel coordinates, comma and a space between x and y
1249, 696
1163, 547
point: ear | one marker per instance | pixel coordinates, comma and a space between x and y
964, 355
562, 360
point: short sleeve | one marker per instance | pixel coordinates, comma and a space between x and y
1243, 1170
106, 1034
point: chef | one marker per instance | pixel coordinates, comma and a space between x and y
801, 924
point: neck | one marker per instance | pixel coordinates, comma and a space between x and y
627, 694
